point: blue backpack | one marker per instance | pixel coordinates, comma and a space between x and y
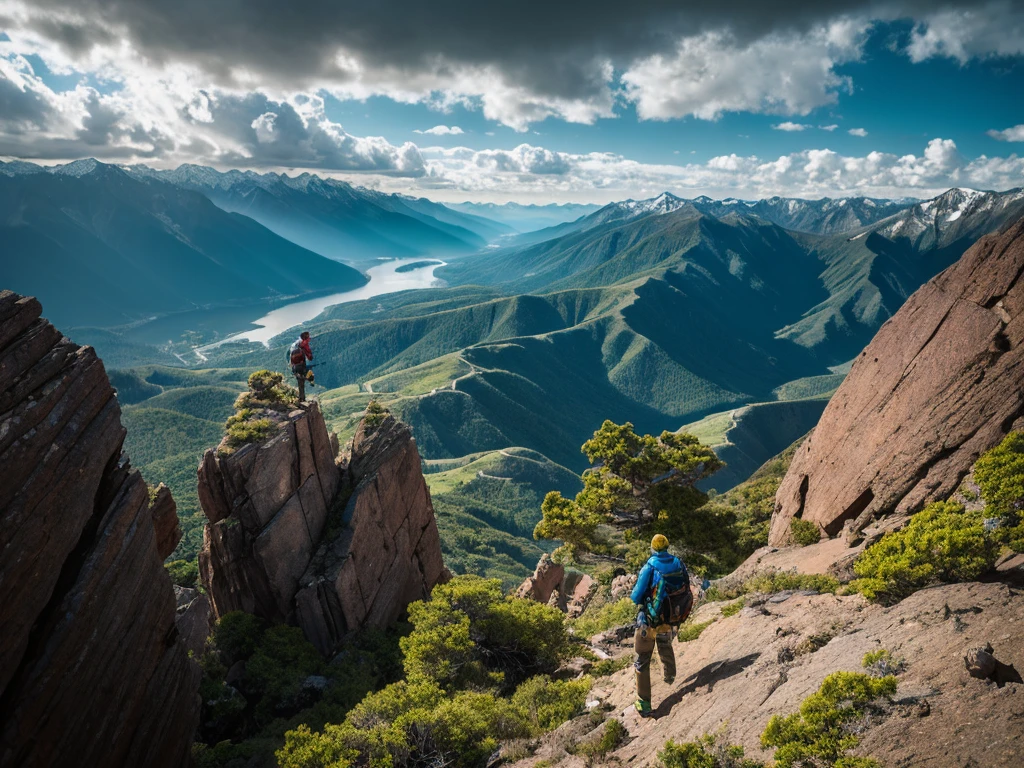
670, 599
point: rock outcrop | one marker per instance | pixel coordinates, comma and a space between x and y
267, 507
940, 383
387, 555
296, 536
92, 669
569, 591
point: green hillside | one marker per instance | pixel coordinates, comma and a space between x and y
745, 438
487, 506
172, 416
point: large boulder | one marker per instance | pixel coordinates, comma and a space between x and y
940, 383
547, 577
92, 668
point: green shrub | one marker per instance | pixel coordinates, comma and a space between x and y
732, 608
277, 669
469, 634
237, 635
244, 427
709, 751
376, 413
999, 474
184, 573
820, 734
547, 704
613, 735
605, 617
690, 631
771, 582
269, 387
804, 532
607, 667
305, 749
942, 542
408, 724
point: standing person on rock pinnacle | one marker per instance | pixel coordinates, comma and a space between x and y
662, 593
298, 353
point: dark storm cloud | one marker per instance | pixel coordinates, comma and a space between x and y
549, 47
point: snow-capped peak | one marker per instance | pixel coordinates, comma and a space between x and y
77, 168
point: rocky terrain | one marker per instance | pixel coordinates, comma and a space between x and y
767, 658
93, 667
939, 384
298, 534
552, 584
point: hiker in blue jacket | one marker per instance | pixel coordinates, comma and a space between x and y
650, 633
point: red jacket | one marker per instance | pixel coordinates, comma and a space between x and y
303, 345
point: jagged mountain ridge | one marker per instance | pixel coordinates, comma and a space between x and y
334, 218
108, 248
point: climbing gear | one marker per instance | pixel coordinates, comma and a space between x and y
643, 708
659, 542
666, 603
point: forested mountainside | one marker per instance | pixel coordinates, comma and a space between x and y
108, 249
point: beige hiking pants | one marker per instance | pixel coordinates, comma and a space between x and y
644, 642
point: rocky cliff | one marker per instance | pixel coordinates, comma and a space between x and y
297, 534
92, 668
940, 383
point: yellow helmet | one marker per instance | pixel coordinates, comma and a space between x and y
659, 542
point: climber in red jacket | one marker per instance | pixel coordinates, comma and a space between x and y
298, 353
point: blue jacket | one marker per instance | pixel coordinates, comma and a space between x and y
661, 561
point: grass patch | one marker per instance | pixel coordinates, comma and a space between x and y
772, 582
733, 608
690, 631
604, 618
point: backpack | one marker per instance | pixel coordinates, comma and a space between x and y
295, 354
666, 603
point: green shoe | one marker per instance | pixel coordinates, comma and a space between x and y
643, 708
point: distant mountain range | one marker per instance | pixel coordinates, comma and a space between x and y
526, 218
103, 247
334, 218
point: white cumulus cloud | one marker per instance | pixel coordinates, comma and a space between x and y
442, 130
1016, 133
857, 132
788, 126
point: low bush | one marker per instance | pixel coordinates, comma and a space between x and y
732, 608
376, 413
184, 573
999, 474
468, 633
613, 735
771, 582
605, 617
691, 631
607, 667
820, 734
941, 543
804, 532
709, 751
547, 703
245, 427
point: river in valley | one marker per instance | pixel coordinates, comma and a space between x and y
384, 278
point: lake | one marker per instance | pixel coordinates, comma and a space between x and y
384, 278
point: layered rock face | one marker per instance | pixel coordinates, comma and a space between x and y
569, 591
267, 506
92, 668
287, 542
941, 382
388, 553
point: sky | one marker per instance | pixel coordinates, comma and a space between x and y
530, 101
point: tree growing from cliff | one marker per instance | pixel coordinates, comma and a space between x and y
639, 485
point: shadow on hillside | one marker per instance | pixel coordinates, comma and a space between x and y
708, 676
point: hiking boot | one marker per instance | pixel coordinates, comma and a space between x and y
643, 708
